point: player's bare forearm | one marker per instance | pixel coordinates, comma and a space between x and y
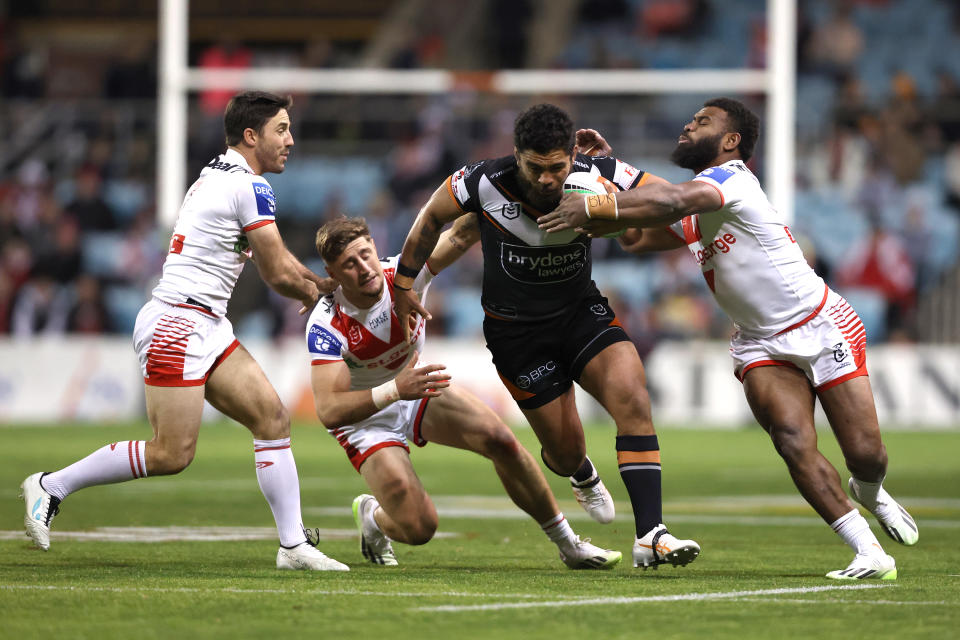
325, 285
454, 242
641, 241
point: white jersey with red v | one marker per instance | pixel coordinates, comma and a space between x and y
370, 341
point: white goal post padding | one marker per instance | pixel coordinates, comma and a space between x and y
777, 82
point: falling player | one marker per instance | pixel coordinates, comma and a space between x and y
375, 397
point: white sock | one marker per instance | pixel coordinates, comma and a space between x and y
277, 475
559, 531
855, 531
867, 492
117, 462
369, 520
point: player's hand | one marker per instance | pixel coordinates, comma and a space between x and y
326, 285
414, 382
309, 298
591, 143
569, 214
406, 304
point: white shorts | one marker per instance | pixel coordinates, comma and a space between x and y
392, 426
830, 348
180, 345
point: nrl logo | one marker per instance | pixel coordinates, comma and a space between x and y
511, 211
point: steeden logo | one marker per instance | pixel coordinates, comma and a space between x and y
263, 464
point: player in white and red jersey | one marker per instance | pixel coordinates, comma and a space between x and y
186, 346
376, 398
796, 340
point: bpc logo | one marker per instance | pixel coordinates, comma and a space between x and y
544, 370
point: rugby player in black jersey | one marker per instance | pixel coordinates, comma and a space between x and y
546, 323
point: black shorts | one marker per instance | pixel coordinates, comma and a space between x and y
538, 361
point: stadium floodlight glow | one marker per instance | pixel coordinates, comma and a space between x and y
777, 82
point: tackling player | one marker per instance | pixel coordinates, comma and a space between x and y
185, 343
796, 341
546, 323
375, 398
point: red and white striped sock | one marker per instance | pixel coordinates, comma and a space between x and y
277, 475
117, 462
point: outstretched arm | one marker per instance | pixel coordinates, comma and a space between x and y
651, 205
640, 241
280, 269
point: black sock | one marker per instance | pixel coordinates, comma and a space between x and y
584, 472
639, 461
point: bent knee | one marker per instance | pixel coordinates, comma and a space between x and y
792, 442
274, 424
499, 443
169, 460
421, 530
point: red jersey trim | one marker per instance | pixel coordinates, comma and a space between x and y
318, 362
257, 225
810, 317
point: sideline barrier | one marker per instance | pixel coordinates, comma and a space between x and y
75, 378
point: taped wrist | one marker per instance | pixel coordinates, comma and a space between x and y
601, 206
386, 394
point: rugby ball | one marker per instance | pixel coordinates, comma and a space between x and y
585, 182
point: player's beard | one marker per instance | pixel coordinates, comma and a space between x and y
697, 155
532, 195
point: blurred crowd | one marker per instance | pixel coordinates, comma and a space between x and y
878, 130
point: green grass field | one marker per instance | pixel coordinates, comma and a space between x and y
490, 573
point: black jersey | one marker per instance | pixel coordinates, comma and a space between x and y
528, 274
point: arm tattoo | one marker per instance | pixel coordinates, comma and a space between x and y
425, 244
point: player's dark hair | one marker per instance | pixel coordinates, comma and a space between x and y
334, 236
741, 120
543, 128
251, 110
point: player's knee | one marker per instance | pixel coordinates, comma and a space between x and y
170, 459
275, 424
791, 442
422, 529
499, 443
868, 459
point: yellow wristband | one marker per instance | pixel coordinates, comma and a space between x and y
602, 207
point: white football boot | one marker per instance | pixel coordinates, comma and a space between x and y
306, 557
374, 544
658, 546
893, 519
41, 507
872, 566
584, 555
594, 498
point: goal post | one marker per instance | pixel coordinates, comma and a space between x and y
777, 83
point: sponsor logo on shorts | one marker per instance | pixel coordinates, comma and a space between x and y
542, 371
543, 265
599, 309
839, 353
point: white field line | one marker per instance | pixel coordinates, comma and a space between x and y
724, 595
235, 590
193, 534
909, 603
